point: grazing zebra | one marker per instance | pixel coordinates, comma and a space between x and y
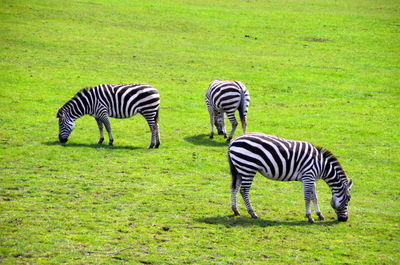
227, 96
117, 101
287, 160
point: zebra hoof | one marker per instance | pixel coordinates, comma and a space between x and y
110, 144
320, 217
100, 141
310, 219
253, 215
151, 146
235, 212
211, 136
228, 140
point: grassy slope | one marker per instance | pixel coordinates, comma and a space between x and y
317, 71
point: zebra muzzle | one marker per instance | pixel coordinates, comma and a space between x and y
342, 218
62, 140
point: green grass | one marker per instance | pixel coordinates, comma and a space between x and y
326, 72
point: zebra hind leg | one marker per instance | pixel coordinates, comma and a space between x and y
153, 129
234, 190
158, 142
234, 123
244, 191
211, 112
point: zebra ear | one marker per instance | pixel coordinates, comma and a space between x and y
350, 184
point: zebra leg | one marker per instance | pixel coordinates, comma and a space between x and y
153, 136
211, 112
100, 125
153, 128
232, 119
158, 142
314, 198
106, 122
308, 186
234, 190
244, 190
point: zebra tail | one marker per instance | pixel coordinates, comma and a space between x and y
234, 172
157, 116
242, 110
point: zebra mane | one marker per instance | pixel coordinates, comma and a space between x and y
328, 155
83, 90
325, 152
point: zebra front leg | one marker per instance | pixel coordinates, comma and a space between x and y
244, 190
234, 123
234, 190
100, 125
308, 186
314, 198
106, 122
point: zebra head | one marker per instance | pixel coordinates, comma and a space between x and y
340, 203
66, 125
219, 121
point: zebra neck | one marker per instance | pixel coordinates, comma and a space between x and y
76, 108
333, 174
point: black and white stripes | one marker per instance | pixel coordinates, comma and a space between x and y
227, 96
287, 160
275, 158
117, 101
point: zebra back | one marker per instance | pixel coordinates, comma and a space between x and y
124, 101
119, 101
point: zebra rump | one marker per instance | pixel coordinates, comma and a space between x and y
287, 160
117, 101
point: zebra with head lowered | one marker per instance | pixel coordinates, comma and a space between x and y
117, 101
287, 160
227, 96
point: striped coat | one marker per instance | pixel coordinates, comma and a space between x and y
287, 160
227, 97
117, 101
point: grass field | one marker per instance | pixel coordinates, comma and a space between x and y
322, 71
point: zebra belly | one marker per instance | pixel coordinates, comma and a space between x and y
266, 174
269, 175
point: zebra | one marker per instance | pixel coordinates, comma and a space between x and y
287, 160
227, 96
117, 101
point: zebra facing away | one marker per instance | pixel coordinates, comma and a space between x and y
287, 160
227, 96
117, 101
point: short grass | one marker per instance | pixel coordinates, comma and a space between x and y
322, 71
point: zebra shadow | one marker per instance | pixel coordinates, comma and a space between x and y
244, 221
96, 146
203, 139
